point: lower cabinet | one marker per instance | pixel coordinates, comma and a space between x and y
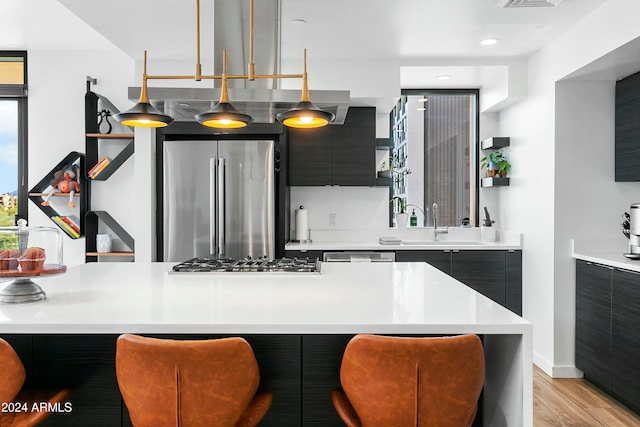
625, 336
495, 274
608, 329
593, 322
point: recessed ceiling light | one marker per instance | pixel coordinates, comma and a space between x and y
488, 42
298, 22
421, 109
423, 99
443, 77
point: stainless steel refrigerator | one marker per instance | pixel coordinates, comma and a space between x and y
218, 199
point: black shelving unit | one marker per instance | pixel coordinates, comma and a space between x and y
495, 143
40, 191
93, 139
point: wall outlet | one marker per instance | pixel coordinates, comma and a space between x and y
333, 220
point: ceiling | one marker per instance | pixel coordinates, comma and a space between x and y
406, 32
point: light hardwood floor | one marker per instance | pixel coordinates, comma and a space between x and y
575, 403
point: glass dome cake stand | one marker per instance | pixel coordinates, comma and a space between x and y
25, 253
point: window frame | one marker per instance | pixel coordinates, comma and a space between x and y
18, 92
476, 151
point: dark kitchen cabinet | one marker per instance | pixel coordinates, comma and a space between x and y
513, 281
310, 156
608, 329
593, 322
354, 148
321, 360
495, 274
335, 154
625, 336
439, 259
483, 271
627, 129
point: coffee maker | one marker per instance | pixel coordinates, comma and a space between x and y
634, 230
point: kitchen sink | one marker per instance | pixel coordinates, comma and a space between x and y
441, 243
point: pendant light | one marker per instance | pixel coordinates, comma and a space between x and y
143, 114
305, 114
224, 115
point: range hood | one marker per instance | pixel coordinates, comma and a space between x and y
262, 99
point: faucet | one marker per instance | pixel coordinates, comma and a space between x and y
437, 232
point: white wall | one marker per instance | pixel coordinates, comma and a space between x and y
356, 208
553, 125
57, 85
589, 203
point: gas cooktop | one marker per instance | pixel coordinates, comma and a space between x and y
248, 265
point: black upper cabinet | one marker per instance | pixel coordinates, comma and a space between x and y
354, 148
310, 156
335, 154
627, 129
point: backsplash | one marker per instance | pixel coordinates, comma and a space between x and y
342, 208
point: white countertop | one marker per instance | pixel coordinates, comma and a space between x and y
605, 252
115, 297
419, 239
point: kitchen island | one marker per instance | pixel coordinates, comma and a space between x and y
306, 310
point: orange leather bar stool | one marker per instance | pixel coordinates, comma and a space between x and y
190, 383
23, 407
403, 382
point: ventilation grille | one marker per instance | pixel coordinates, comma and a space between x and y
528, 3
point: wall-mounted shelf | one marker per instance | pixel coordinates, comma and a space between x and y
93, 140
495, 143
93, 220
57, 209
118, 160
494, 182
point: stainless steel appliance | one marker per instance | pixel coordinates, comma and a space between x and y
634, 229
248, 265
359, 257
218, 199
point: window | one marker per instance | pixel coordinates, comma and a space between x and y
13, 136
436, 131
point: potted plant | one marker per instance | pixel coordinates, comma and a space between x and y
496, 164
384, 172
401, 216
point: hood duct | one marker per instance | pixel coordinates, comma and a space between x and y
262, 99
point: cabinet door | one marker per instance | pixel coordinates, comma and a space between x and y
354, 148
593, 322
627, 129
439, 259
310, 156
625, 345
483, 271
513, 281
321, 360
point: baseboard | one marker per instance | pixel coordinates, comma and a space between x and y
565, 371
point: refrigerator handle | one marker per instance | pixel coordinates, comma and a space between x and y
213, 168
221, 208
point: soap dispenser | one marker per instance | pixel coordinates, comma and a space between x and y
413, 219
